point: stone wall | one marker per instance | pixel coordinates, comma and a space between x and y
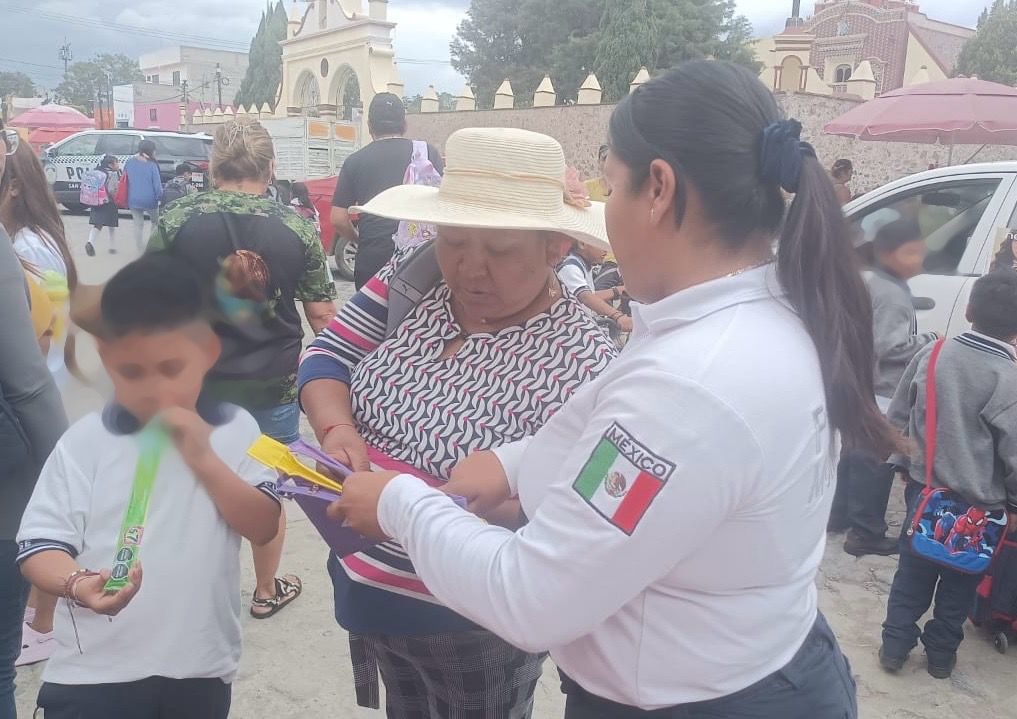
582, 128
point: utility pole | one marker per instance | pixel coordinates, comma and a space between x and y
220, 82
185, 106
66, 55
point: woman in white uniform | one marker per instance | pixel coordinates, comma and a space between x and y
678, 504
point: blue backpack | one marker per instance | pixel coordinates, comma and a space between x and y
946, 529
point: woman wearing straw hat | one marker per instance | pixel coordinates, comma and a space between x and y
492, 348
678, 505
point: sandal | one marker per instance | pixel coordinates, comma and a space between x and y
287, 589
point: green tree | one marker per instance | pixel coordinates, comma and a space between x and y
629, 38
992, 53
16, 83
264, 69
523, 40
84, 80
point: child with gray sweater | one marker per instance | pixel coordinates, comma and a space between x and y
864, 481
976, 457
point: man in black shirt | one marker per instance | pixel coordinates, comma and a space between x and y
366, 173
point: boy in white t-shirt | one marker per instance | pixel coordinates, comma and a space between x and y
170, 647
575, 272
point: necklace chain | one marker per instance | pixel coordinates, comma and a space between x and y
749, 268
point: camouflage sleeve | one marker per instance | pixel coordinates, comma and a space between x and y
171, 219
316, 284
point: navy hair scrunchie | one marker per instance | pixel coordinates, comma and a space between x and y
782, 154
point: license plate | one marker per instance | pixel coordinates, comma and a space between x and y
73, 185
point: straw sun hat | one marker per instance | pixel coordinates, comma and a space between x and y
498, 178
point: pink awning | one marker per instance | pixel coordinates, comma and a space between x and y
961, 111
55, 116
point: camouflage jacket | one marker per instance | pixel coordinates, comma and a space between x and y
262, 334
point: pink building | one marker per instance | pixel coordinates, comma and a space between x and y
161, 115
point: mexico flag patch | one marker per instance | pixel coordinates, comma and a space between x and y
621, 478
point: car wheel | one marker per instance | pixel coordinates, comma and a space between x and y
345, 254
75, 208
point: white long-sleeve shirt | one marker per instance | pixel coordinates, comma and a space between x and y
677, 506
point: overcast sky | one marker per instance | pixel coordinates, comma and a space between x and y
31, 42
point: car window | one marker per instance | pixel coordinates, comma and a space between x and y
82, 145
184, 147
117, 144
947, 214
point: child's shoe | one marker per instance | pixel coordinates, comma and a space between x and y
35, 646
891, 663
940, 669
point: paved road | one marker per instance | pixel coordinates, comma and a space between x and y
297, 663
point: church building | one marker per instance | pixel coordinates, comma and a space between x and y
860, 47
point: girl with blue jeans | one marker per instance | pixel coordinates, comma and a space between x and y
144, 189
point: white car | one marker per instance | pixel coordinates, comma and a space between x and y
66, 162
964, 213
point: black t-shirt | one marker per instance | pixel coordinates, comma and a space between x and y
366, 173
261, 342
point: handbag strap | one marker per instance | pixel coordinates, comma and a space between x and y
930, 412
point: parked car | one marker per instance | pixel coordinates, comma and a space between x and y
343, 252
964, 212
65, 162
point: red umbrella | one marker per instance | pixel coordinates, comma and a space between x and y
55, 116
961, 111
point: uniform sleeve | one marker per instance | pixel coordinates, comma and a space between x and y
1005, 431
511, 458
316, 284
894, 342
346, 187
56, 513
573, 278
357, 329
641, 490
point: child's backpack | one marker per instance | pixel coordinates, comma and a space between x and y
172, 191
420, 171
93, 189
416, 276
945, 528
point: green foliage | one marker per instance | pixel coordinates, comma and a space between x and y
523, 40
446, 102
264, 69
16, 83
84, 80
992, 53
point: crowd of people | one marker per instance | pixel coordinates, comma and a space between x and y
650, 519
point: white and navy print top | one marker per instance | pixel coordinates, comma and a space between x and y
430, 413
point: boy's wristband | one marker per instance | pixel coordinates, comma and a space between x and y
71, 584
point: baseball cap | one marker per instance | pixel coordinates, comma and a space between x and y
386, 111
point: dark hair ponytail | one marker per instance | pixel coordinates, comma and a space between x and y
721, 131
819, 270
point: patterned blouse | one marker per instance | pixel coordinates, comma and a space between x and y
430, 412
